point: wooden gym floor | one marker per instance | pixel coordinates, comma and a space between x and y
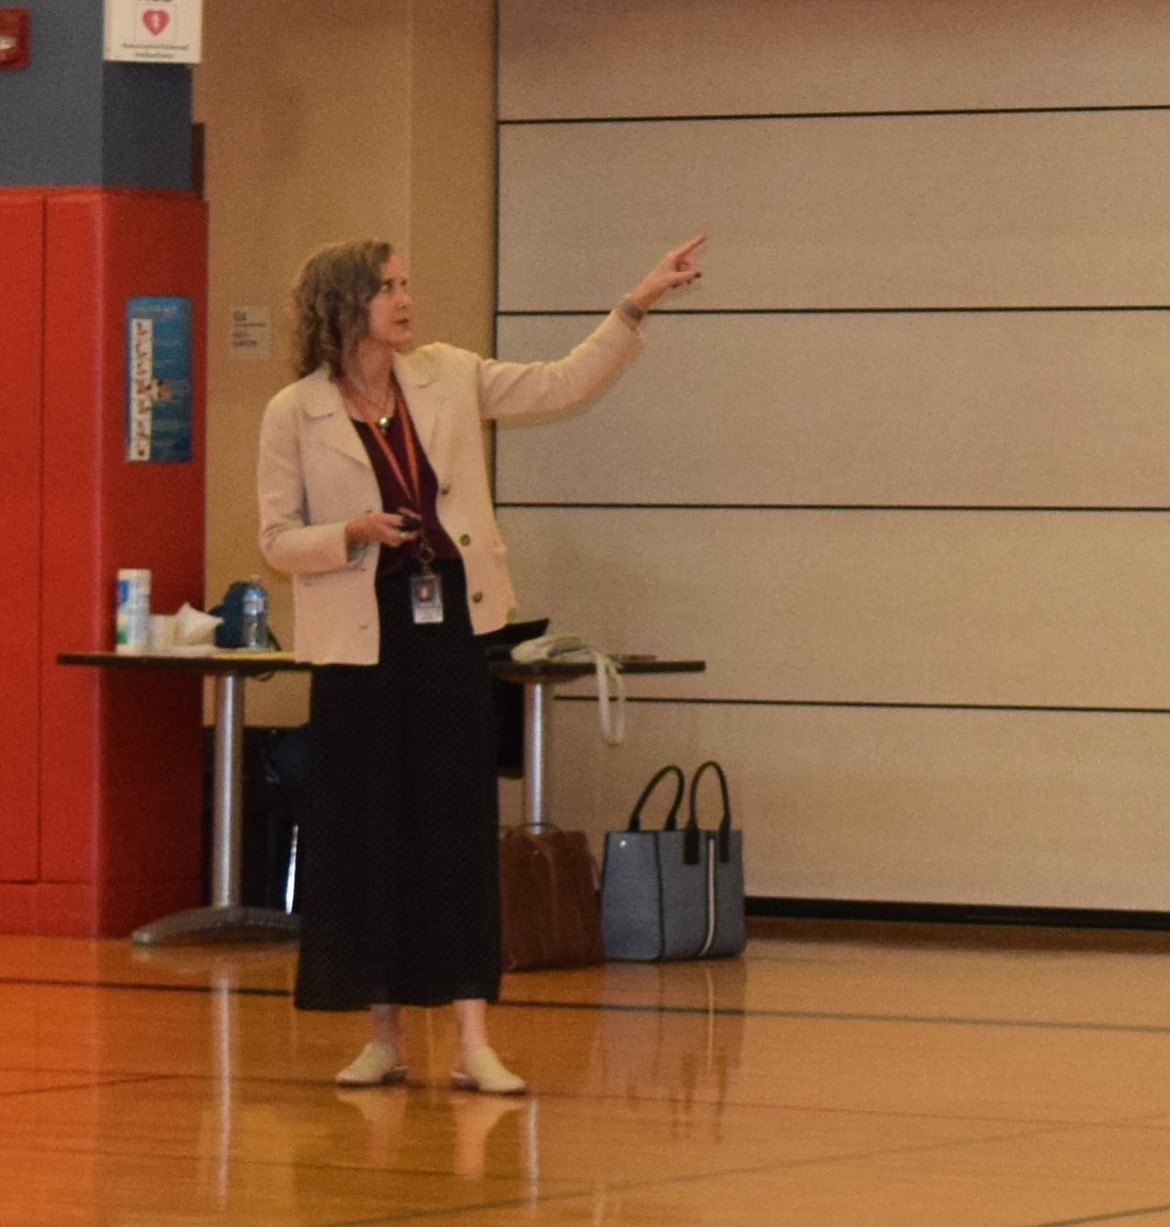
861, 1075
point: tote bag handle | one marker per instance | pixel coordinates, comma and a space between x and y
725, 821
635, 823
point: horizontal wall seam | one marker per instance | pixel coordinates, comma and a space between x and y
1003, 309
1074, 709
801, 116
928, 508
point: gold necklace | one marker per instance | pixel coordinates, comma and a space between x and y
385, 410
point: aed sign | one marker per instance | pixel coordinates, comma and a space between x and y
13, 38
154, 31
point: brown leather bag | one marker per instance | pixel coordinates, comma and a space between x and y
549, 910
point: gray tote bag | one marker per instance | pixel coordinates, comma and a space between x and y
660, 890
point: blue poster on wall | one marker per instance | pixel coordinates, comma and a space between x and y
158, 380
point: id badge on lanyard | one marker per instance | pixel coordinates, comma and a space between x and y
426, 595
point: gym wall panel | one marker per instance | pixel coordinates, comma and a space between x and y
692, 57
1042, 809
882, 212
1048, 409
889, 607
121, 793
22, 223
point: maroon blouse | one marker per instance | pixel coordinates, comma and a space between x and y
393, 559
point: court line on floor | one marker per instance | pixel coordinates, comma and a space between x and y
616, 1007
131, 986
96, 1083
938, 1020
1104, 1218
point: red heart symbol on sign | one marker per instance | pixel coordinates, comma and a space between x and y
156, 20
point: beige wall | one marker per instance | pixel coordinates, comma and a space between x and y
898, 468
365, 117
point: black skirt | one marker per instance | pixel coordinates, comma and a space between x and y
400, 879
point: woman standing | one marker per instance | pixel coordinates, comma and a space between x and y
374, 495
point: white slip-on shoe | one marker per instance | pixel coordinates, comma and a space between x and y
484, 1071
376, 1065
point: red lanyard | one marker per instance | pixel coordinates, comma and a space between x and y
413, 488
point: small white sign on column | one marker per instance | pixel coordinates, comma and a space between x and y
154, 31
251, 335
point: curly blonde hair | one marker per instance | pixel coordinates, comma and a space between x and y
331, 301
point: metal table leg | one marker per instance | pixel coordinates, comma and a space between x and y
538, 697
226, 919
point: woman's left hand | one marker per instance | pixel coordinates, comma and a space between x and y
679, 266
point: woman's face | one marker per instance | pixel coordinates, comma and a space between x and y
392, 309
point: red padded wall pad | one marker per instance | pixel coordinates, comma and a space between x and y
121, 787
22, 224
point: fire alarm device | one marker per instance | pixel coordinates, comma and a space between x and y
13, 38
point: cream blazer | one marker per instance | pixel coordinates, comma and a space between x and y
314, 475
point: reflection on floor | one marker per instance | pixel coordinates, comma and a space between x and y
860, 1075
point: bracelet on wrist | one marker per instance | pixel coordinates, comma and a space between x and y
631, 310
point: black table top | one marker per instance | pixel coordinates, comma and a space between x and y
248, 663
220, 661
560, 671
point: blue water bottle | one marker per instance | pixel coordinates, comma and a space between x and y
255, 616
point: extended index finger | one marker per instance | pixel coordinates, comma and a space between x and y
689, 246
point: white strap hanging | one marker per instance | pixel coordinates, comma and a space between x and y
611, 688
572, 650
